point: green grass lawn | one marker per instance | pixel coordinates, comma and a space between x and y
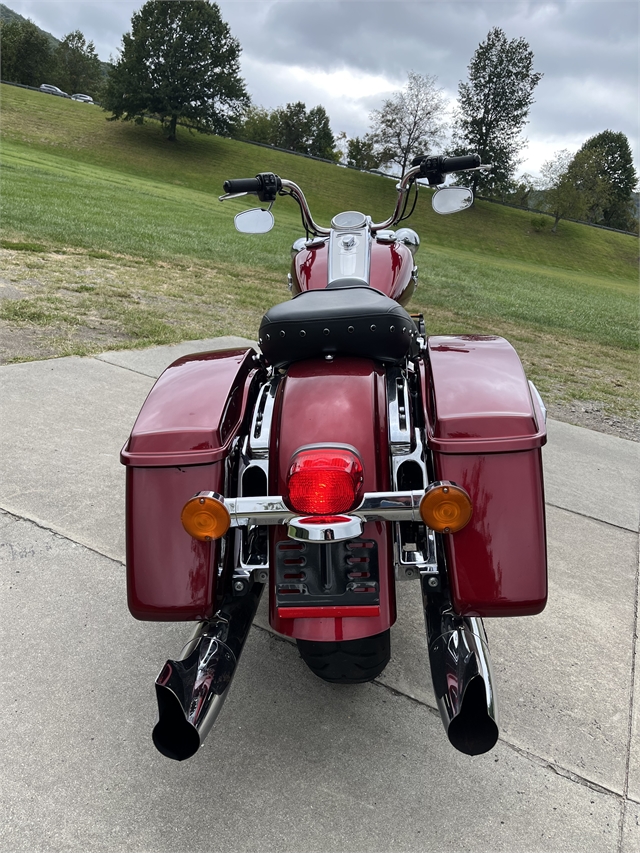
115, 237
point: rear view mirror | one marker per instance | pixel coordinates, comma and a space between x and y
451, 199
254, 221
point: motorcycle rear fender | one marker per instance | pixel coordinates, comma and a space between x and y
178, 447
486, 429
341, 401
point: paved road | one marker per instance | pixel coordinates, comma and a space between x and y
295, 764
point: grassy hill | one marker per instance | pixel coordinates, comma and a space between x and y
123, 233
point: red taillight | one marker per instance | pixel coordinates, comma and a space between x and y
324, 481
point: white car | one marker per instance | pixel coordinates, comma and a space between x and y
86, 99
48, 89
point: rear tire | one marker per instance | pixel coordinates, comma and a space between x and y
348, 661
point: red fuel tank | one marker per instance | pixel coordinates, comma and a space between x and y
390, 271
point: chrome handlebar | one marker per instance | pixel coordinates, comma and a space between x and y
402, 187
292, 189
295, 191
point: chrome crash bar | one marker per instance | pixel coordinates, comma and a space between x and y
376, 506
336, 527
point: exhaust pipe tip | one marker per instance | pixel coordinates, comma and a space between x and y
472, 730
173, 735
462, 678
191, 691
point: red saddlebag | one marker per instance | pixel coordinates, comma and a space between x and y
486, 431
177, 447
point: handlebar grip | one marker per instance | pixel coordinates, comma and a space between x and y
459, 164
243, 185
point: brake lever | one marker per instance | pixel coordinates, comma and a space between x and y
230, 195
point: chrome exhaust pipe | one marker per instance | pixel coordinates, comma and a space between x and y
462, 675
191, 690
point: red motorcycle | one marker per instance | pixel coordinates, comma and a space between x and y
354, 452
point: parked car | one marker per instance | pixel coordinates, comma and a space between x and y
85, 99
48, 89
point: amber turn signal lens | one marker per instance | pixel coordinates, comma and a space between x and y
445, 507
205, 518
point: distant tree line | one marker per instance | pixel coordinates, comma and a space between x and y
28, 57
181, 64
291, 127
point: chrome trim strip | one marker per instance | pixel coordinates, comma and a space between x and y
347, 528
535, 393
260, 433
398, 411
351, 248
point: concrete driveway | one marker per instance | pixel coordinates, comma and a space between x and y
295, 764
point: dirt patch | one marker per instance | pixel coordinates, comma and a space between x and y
80, 302
593, 416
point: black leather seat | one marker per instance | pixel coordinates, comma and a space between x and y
343, 320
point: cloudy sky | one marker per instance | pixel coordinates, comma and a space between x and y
348, 55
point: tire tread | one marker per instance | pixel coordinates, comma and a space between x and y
348, 661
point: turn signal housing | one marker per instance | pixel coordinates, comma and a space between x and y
445, 507
325, 480
205, 517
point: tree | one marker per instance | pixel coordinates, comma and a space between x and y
361, 153
614, 164
408, 123
493, 107
26, 53
77, 66
181, 63
321, 140
292, 128
256, 125
573, 188
521, 190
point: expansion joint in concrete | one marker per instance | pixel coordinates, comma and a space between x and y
123, 367
524, 753
593, 518
56, 532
